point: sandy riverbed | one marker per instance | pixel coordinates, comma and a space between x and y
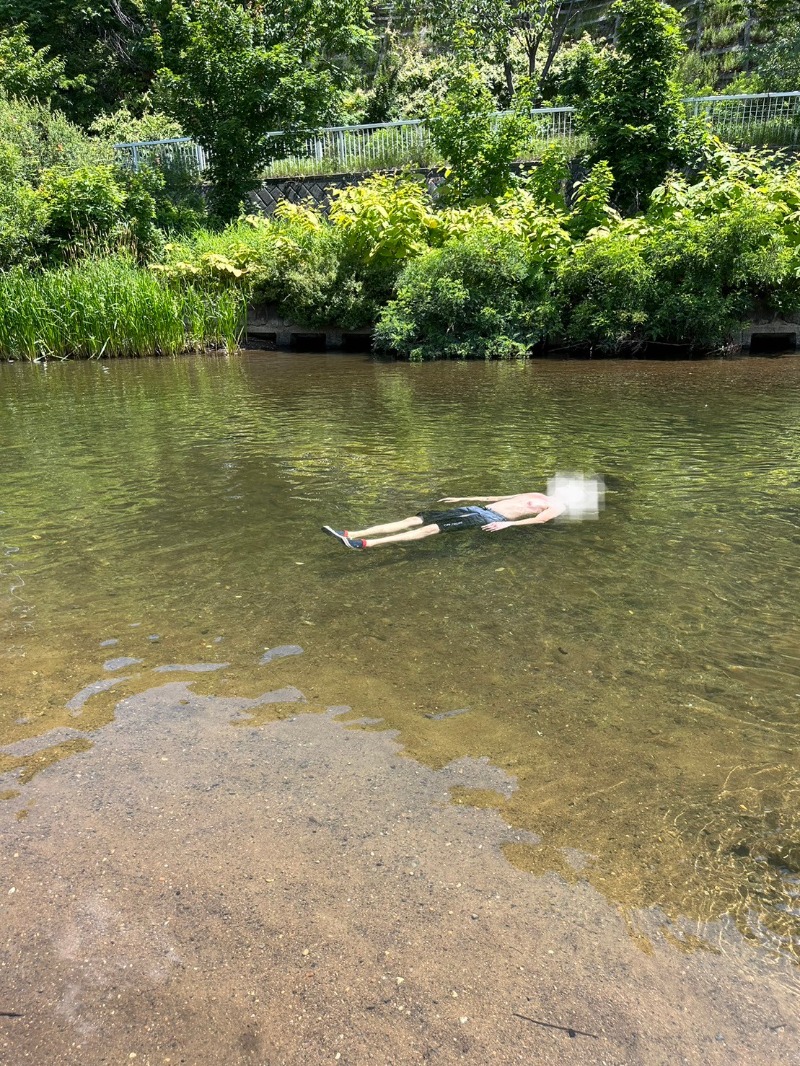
196, 890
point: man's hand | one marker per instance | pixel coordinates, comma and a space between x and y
450, 499
494, 526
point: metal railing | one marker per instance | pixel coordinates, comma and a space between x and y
174, 151
373, 146
756, 119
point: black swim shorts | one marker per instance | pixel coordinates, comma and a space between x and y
461, 518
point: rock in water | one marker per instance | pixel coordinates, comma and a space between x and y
117, 664
78, 700
280, 652
192, 668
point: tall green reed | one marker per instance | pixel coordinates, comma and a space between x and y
112, 307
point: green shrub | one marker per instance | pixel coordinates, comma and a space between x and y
481, 295
314, 270
591, 201
21, 217
479, 147
633, 113
46, 139
689, 282
293, 262
60, 195
82, 205
385, 220
122, 126
708, 273
606, 283
693, 269
548, 179
26, 71
90, 207
174, 183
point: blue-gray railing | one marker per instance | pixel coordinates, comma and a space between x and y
749, 119
177, 150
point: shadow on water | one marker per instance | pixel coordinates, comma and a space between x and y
638, 676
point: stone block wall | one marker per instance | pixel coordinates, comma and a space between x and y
318, 188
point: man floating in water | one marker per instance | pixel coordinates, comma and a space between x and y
570, 495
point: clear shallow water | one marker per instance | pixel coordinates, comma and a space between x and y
640, 676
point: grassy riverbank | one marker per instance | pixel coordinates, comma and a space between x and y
669, 238
111, 307
542, 263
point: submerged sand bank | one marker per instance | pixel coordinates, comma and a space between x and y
196, 890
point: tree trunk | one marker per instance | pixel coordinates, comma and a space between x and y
509, 75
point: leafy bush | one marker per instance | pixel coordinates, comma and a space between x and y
548, 180
293, 262
317, 270
708, 273
633, 113
591, 201
479, 147
25, 71
690, 271
123, 127
61, 195
21, 217
607, 283
46, 139
82, 205
174, 183
90, 207
483, 295
495, 278
384, 220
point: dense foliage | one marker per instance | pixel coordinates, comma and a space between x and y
232, 74
104, 47
653, 234
485, 294
26, 72
499, 278
633, 111
478, 147
62, 196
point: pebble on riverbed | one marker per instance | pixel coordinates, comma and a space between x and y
279, 653
76, 703
119, 663
192, 668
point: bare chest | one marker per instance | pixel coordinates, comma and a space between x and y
522, 506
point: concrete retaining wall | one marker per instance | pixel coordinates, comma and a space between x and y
265, 199
267, 330
767, 335
770, 333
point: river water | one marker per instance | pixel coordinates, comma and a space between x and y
638, 676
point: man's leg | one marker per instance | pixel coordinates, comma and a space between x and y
387, 527
400, 538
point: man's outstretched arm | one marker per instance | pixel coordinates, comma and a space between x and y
544, 516
473, 499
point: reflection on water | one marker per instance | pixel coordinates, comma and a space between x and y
640, 675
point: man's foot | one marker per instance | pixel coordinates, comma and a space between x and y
349, 542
